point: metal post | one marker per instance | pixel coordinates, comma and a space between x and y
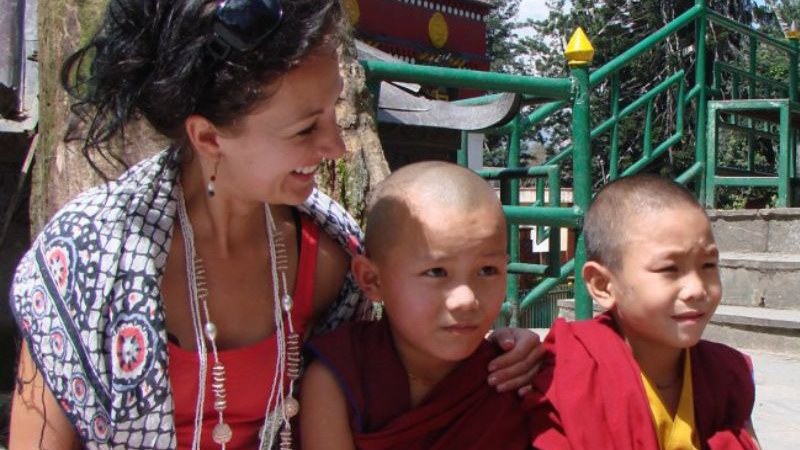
613, 158
784, 188
579, 54
582, 180
793, 70
701, 145
512, 287
751, 91
463, 151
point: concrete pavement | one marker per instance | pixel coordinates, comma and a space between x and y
776, 415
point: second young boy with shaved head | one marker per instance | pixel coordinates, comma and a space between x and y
638, 377
436, 258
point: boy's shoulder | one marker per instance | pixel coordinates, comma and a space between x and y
603, 330
722, 357
601, 327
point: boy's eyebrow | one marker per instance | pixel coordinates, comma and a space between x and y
434, 257
710, 249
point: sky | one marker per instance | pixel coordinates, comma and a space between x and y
534, 9
531, 9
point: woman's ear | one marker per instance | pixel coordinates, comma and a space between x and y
203, 136
366, 274
598, 279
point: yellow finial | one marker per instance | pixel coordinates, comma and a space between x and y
579, 49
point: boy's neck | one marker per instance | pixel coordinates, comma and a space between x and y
424, 371
660, 364
422, 378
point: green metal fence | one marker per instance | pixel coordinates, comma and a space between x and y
598, 133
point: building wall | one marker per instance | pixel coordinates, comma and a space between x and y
435, 32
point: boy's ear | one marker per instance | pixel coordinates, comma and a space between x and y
598, 279
203, 135
367, 276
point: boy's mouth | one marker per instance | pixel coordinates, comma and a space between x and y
461, 328
689, 316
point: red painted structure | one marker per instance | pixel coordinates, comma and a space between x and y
409, 30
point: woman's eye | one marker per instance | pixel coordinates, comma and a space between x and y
488, 271
308, 130
436, 272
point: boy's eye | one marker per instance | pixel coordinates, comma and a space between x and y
436, 272
667, 269
487, 271
710, 265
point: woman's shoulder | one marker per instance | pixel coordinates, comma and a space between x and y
334, 219
339, 227
89, 241
147, 183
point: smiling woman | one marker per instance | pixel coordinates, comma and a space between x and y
175, 278
166, 309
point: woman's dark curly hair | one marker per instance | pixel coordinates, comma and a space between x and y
151, 59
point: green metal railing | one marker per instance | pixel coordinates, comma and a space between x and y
573, 94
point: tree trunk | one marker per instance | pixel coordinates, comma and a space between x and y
350, 179
60, 171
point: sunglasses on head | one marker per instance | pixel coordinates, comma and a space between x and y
243, 24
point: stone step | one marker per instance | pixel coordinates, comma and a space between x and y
757, 230
739, 326
761, 279
757, 328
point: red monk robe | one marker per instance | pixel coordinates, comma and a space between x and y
589, 394
461, 412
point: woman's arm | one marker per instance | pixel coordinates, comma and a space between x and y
515, 368
37, 420
323, 411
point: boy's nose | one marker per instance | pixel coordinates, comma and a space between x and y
694, 287
462, 297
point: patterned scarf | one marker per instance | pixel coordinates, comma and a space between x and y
86, 297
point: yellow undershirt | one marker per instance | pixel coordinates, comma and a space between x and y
675, 433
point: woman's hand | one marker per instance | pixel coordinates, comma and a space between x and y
515, 368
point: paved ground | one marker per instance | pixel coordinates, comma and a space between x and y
776, 416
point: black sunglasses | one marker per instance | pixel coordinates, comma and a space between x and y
243, 24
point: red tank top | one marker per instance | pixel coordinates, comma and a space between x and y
249, 370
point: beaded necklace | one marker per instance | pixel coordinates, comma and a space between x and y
281, 405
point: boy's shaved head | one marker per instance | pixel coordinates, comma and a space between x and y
619, 201
416, 189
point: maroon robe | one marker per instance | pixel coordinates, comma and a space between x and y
589, 393
460, 412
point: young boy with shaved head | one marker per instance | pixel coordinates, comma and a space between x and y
638, 376
436, 258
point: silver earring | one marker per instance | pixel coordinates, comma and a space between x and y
211, 186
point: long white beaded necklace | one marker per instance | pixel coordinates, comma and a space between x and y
281, 405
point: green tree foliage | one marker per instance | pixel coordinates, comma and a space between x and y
615, 26
502, 38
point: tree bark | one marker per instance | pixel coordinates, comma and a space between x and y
350, 179
60, 171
